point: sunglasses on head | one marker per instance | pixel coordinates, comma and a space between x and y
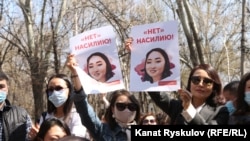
56, 88
197, 79
2, 86
123, 106
149, 121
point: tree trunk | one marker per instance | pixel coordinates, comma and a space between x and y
189, 36
38, 74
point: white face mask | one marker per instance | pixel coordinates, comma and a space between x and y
230, 107
125, 116
58, 98
3, 95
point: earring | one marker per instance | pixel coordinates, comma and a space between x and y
113, 116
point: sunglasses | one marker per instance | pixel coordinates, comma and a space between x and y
197, 79
145, 121
123, 106
56, 88
2, 86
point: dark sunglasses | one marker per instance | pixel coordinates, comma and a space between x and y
56, 88
197, 79
2, 86
123, 106
149, 121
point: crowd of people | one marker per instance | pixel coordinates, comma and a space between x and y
70, 115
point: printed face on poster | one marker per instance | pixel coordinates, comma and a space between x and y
97, 56
155, 57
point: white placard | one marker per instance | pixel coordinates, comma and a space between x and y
102, 43
152, 74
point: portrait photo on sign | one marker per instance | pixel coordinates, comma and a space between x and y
101, 67
155, 67
155, 57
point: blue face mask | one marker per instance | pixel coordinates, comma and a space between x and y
58, 98
230, 107
247, 97
3, 95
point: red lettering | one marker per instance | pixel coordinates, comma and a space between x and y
154, 31
155, 39
93, 44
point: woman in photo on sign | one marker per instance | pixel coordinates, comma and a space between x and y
99, 67
197, 104
157, 65
122, 112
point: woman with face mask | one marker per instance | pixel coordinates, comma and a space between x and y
60, 105
230, 92
123, 111
241, 115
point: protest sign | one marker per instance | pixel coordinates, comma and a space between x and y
99, 67
155, 57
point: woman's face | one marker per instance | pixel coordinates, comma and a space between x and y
202, 90
58, 91
54, 133
155, 65
97, 68
149, 120
124, 110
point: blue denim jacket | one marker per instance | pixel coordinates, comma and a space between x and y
98, 130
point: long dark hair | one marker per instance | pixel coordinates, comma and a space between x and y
109, 72
241, 105
68, 105
47, 124
109, 114
217, 87
166, 71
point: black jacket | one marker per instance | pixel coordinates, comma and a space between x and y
15, 120
207, 116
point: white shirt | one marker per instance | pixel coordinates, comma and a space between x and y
74, 123
191, 111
